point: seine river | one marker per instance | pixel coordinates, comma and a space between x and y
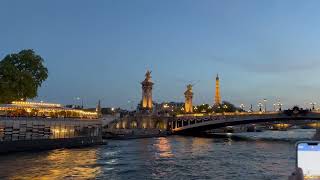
266, 155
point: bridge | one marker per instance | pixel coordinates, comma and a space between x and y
194, 123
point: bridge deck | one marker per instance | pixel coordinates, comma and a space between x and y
205, 122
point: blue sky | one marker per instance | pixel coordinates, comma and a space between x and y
101, 49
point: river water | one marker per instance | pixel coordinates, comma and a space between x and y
266, 155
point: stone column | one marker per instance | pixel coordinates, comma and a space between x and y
188, 106
147, 84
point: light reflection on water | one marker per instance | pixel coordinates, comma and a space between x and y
56, 164
174, 157
163, 148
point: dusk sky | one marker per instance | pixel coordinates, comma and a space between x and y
102, 49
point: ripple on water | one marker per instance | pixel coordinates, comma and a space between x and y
174, 157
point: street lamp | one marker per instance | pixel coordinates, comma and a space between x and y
313, 104
78, 98
280, 105
225, 107
265, 105
242, 107
195, 108
260, 106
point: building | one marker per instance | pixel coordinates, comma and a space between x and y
38, 125
217, 98
108, 118
147, 84
188, 107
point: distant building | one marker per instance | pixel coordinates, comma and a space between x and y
108, 118
73, 106
46, 126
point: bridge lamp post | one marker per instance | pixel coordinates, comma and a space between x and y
242, 107
313, 104
280, 106
195, 108
265, 105
260, 106
225, 107
80, 99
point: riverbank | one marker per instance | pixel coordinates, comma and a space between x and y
48, 144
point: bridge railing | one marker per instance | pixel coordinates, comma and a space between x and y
226, 114
191, 119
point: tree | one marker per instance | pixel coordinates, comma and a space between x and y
203, 108
21, 74
225, 107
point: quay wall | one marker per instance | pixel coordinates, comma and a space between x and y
26, 133
46, 144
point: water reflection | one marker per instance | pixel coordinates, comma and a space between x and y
200, 145
174, 157
163, 148
57, 164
